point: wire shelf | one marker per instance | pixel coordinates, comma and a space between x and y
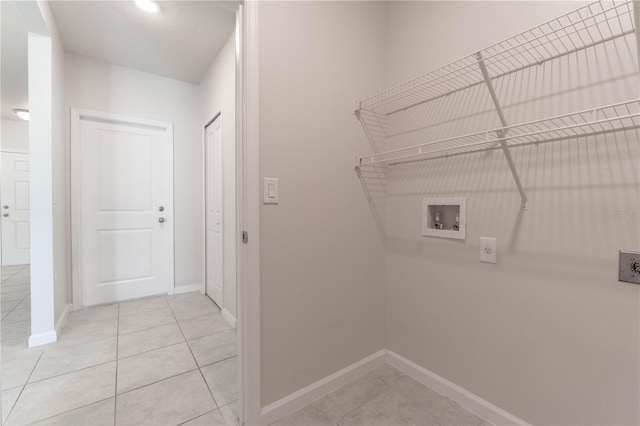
580, 29
607, 119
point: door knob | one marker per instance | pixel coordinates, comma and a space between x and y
161, 209
5, 215
161, 220
5, 207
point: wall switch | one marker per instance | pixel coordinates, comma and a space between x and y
270, 195
488, 250
629, 267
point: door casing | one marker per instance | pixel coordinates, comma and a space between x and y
76, 193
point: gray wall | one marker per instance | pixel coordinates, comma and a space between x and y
322, 260
548, 333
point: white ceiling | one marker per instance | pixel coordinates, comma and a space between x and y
179, 42
14, 84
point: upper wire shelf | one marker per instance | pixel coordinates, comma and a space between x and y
596, 121
582, 28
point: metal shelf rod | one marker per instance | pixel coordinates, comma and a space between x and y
502, 133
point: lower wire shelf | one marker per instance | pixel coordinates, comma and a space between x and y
596, 121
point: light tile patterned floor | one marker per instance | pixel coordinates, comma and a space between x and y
158, 361
170, 361
384, 397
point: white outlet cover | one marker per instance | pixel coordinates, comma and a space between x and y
488, 250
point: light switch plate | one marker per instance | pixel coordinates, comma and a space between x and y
488, 250
629, 267
270, 194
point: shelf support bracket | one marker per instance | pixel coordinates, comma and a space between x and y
502, 134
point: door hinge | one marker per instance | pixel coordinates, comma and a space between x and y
245, 237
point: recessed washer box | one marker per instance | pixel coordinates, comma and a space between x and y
444, 217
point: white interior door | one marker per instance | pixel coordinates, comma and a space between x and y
214, 210
125, 211
15, 208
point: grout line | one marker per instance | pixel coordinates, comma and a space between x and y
84, 342
25, 386
201, 415
73, 409
71, 372
144, 329
156, 381
12, 275
194, 359
14, 308
228, 330
154, 349
216, 362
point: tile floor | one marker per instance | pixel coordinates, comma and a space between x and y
384, 397
170, 361
158, 361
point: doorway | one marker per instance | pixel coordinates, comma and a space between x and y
14, 190
123, 213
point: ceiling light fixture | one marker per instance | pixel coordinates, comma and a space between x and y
22, 113
148, 6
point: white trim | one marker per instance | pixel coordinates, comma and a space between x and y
466, 399
42, 338
76, 192
63, 318
203, 219
248, 193
228, 316
317, 390
189, 288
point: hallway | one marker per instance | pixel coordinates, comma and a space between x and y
169, 360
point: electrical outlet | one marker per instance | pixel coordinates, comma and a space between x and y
629, 267
488, 250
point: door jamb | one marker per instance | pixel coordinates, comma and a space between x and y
76, 192
248, 212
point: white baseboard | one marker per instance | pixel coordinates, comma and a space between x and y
317, 390
228, 316
466, 399
189, 288
42, 338
63, 319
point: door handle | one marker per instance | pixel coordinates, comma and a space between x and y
5, 215
5, 207
161, 220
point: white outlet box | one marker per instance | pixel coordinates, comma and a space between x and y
444, 217
629, 267
488, 250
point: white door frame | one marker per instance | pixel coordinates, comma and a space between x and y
205, 180
248, 212
76, 192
